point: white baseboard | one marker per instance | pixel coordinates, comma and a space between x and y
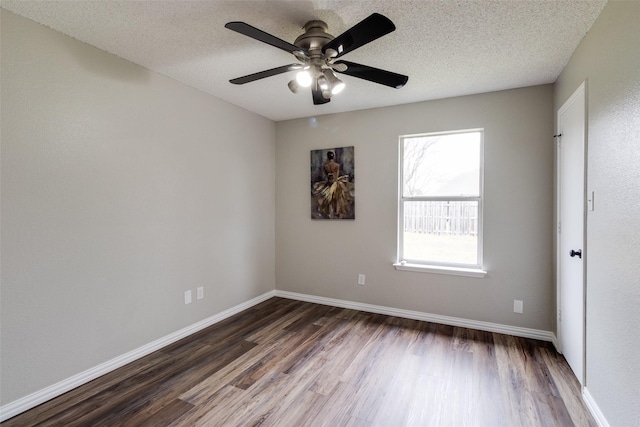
594, 409
34, 399
427, 317
556, 343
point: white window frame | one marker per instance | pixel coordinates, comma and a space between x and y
471, 270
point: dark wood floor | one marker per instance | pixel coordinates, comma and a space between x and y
290, 363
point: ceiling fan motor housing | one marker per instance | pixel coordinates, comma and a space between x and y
315, 37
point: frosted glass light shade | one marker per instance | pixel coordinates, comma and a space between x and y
304, 78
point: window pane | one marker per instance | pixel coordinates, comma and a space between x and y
443, 232
442, 165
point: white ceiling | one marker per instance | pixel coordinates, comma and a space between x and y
447, 48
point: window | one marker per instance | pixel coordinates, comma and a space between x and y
440, 203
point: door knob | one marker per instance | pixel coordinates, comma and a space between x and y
574, 253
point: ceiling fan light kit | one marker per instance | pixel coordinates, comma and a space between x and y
318, 53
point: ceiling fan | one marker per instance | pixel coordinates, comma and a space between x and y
318, 53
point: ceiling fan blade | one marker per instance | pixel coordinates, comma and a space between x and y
265, 73
375, 75
365, 31
267, 38
318, 99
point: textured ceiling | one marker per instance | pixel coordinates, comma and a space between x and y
447, 48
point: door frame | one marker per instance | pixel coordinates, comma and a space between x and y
582, 88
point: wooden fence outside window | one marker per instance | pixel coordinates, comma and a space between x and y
441, 217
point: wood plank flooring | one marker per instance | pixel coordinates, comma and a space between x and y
291, 363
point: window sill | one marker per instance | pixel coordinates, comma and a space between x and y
454, 271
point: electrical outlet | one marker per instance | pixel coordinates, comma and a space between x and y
187, 297
517, 306
200, 292
361, 279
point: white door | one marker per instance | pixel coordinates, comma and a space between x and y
571, 214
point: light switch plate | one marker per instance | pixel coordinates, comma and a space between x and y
591, 201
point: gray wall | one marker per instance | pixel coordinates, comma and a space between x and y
609, 59
324, 257
121, 189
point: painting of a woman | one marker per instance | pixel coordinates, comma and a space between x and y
332, 183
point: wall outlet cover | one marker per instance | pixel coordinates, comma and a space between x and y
517, 306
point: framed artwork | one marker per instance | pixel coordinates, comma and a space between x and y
333, 183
